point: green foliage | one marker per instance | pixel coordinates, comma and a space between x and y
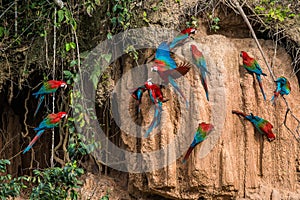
57, 183
193, 22
77, 146
214, 23
105, 197
120, 15
132, 52
274, 11
91, 5
145, 17
70, 45
65, 16
10, 187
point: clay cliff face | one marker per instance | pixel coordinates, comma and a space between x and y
235, 161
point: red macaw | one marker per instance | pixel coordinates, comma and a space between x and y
201, 134
179, 39
168, 69
252, 66
200, 62
157, 98
261, 125
48, 87
51, 121
283, 88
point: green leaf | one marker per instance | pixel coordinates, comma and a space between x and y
1, 31
115, 8
73, 63
61, 15
109, 36
72, 45
68, 47
89, 10
95, 80
97, 2
67, 73
107, 57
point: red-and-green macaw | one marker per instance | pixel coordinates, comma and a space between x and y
252, 66
138, 94
283, 87
179, 39
48, 87
51, 121
263, 126
201, 134
200, 62
168, 69
157, 98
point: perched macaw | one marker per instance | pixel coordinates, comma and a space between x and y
138, 94
200, 62
157, 98
168, 69
262, 125
283, 88
48, 87
183, 35
201, 134
51, 121
251, 65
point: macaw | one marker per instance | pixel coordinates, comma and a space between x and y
157, 98
262, 125
201, 134
138, 94
200, 62
48, 87
51, 121
168, 69
183, 35
283, 88
251, 65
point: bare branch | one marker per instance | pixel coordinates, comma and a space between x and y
288, 109
13, 3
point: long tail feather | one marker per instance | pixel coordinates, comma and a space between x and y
156, 120
260, 86
38, 135
188, 153
274, 97
204, 83
178, 40
41, 99
174, 84
238, 113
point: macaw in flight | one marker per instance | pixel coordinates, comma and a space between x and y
201, 134
48, 87
200, 62
167, 68
51, 121
283, 87
183, 35
252, 66
262, 126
